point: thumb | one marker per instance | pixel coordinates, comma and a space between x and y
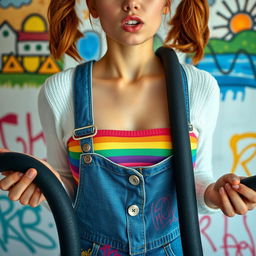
231, 178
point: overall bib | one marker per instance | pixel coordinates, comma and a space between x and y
121, 211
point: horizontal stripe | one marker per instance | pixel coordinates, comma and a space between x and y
145, 152
193, 145
72, 142
74, 168
75, 148
131, 139
75, 174
134, 133
75, 155
193, 140
132, 145
74, 162
143, 158
76, 179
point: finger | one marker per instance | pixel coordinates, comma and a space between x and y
27, 194
36, 198
250, 206
7, 182
20, 187
6, 173
4, 150
42, 198
248, 193
239, 205
226, 207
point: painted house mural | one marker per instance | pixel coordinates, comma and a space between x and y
26, 51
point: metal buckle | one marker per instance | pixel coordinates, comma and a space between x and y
190, 127
86, 136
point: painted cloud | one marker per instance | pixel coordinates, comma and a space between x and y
14, 3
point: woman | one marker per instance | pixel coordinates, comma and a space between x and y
108, 134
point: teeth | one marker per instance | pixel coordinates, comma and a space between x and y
132, 22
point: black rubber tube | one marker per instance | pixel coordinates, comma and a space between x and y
55, 195
184, 175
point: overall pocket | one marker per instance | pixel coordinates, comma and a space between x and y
174, 248
88, 248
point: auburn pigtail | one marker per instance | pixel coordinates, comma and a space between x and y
63, 28
189, 28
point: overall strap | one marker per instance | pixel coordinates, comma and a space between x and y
186, 94
83, 112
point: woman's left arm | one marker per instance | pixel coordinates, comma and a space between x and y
232, 197
204, 102
227, 193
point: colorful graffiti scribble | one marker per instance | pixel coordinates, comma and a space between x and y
243, 148
15, 225
28, 142
231, 243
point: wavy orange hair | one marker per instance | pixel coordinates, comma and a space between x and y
189, 31
63, 28
189, 28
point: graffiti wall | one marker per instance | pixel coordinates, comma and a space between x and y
231, 58
25, 63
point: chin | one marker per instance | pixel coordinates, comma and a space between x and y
134, 41
131, 39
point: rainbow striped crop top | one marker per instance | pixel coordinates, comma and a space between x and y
128, 148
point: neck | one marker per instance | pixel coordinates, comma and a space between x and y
129, 63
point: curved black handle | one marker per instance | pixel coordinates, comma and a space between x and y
250, 182
55, 195
184, 174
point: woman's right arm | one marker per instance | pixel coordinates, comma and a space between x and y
56, 116
51, 109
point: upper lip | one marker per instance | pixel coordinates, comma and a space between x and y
128, 18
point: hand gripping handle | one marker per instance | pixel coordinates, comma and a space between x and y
55, 195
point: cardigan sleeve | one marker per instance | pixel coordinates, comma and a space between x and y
55, 110
204, 96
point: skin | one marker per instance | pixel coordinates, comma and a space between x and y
121, 79
20, 185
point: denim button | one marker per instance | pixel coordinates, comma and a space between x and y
134, 180
87, 159
133, 210
86, 147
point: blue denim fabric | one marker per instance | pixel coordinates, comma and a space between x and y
92, 249
105, 194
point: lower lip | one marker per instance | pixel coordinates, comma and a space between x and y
133, 28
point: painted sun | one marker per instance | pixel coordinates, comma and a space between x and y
243, 18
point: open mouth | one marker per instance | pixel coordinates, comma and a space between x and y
132, 24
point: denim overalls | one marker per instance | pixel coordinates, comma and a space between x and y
121, 210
